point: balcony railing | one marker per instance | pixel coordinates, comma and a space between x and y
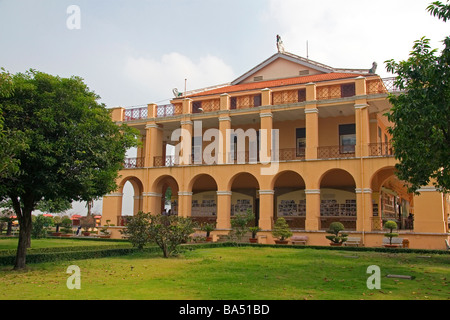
133, 163
167, 161
381, 149
135, 113
287, 154
169, 110
332, 152
291, 154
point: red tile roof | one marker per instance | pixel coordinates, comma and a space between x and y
277, 83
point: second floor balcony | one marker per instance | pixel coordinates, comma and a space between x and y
281, 155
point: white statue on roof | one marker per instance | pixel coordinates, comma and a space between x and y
280, 45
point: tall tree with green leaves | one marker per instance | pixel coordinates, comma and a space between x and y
11, 141
74, 150
421, 113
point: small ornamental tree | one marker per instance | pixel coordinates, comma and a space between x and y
281, 229
391, 225
40, 226
168, 232
239, 225
208, 228
336, 235
137, 229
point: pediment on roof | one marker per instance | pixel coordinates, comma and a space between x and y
282, 65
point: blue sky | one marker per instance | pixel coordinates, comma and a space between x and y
135, 52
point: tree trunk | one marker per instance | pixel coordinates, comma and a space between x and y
24, 241
24, 217
9, 230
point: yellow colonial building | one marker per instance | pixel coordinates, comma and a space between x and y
290, 138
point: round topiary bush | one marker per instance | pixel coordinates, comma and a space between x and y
391, 225
337, 237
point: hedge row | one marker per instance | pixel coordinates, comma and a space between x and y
343, 248
74, 255
9, 252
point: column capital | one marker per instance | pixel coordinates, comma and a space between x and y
312, 191
311, 110
185, 193
224, 193
152, 125
265, 115
264, 192
184, 122
361, 106
224, 118
151, 194
114, 194
363, 190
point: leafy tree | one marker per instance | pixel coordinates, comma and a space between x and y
73, 149
11, 141
168, 232
239, 225
281, 229
40, 226
137, 230
421, 113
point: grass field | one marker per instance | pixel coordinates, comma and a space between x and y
236, 273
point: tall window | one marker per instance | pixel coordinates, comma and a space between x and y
347, 138
300, 138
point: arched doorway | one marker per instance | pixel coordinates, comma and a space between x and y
391, 200
167, 187
290, 199
337, 199
131, 189
204, 199
244, 196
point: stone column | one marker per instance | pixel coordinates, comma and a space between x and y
266, 198
223, 209
184, 204
312, 221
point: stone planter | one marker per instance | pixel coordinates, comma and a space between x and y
335, 244
281, 241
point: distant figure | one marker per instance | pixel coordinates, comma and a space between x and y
170, 212
164, 213
79, 231
410, 221
280, 45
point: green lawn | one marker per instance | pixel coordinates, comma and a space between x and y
236, 273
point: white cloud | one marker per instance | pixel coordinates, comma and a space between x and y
158, 77
353, 33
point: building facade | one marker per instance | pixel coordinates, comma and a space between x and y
290, 138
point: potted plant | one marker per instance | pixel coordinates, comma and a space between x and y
281, 231
337, 238
208, 228
254, 231
87, 223
104, 233
391, 225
